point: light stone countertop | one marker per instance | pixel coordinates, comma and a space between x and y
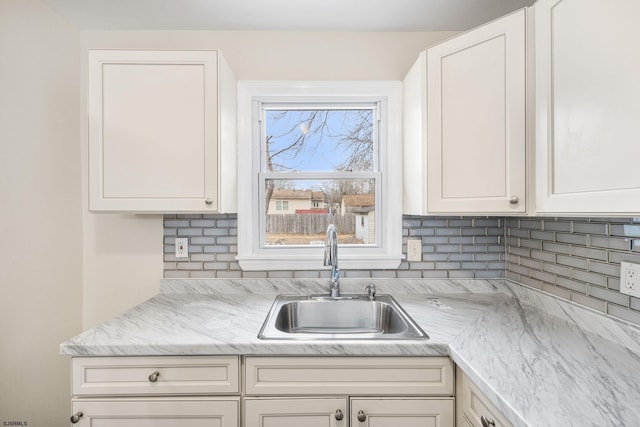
541, 360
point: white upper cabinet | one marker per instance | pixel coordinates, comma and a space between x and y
587, 106
467, 153
161, 131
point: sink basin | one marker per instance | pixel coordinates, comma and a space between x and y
347, 317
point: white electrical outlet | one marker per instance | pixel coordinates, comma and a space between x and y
414, 250
630, 279
182, 247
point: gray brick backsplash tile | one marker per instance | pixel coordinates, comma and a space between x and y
556, 247
280, 274
544, 256
543, 235
461, 274
572, 258
618, 257
590, 228
531, 263
572, 284
610, 242
575, 239
625, 230
624, 313
589, 253
556, 269
554, 225
556, 290
573, 261
604, 268
203, 223
594, 303
591, 278
176, 223
609, 295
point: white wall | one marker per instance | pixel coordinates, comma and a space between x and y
40, 220
123, 253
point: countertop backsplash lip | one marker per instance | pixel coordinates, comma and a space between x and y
542, 360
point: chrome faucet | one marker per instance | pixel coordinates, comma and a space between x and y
331, 258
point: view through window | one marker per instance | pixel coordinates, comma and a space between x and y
319, 166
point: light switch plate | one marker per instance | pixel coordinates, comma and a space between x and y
630, 279
414, 250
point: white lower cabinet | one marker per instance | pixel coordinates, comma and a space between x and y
156, 412
163, 391
286, 391
473, 409
349, 392
292, 412
402, 412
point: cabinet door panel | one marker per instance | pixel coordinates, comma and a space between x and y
402, 412
476, 135
153, 130
295, 412
587, 94
159, 412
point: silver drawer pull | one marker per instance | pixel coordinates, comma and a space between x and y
208, 201
339, 415
487, 422
362, 417
75, 418
514, 200
154, 377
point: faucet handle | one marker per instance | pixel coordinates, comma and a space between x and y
371, 291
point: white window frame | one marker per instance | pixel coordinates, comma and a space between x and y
387, 253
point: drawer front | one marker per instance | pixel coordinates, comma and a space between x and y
389, 376
157, 412
162, 375
474, 405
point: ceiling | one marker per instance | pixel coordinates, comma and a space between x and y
285, 15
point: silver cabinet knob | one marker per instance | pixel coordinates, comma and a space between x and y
339, 415
514, 200
209, 202
362, 417
75, 418
487, 422
154, 377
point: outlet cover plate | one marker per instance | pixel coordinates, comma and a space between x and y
414, 250
182, 247
630, 279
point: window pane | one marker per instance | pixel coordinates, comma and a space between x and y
298, 212
319, 140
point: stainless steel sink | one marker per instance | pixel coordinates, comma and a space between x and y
346, 317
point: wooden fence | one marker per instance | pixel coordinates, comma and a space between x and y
310, 223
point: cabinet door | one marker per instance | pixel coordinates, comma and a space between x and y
476, 130
159, 412
472, 405
587, 108
402, 412
295, 413
153, 130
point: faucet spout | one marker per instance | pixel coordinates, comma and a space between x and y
331, 258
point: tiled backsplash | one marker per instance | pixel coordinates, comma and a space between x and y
452, 247
573, 258
576, 258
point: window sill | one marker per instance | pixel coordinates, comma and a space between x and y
304, 262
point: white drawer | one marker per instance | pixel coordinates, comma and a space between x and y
162, 375
362, 376
474, 405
